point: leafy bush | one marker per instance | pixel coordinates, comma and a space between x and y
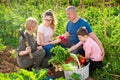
13, 17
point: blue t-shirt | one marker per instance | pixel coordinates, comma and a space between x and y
72, 28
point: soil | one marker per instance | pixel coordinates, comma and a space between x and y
8, 63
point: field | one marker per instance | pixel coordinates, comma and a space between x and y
104, 19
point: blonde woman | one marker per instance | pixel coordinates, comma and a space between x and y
46, 30
38, 52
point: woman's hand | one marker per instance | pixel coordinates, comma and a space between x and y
25, 52
28, 49
39, 47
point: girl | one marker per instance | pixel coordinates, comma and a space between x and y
45, 31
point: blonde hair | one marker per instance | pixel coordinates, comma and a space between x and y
54, 21
31, 23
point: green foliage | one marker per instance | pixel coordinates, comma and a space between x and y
1, 45
26, 75
61, 78
14, 14
75, 76
60, 55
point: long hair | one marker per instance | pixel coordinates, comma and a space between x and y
54, 21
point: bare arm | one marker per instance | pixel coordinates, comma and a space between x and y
75, 46
94, 37
66, 34
51, 38
22, 53
55, 41
42, 39
87, 55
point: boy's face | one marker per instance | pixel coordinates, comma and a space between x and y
82, 38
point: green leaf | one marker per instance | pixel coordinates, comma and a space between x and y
75, 76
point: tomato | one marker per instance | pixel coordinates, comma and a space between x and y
82, 61
50, 72
69, 59
84, 58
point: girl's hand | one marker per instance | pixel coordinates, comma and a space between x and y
39, 47
62, 38
28, 49
50, 40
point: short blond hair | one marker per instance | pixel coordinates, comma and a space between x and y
31, 23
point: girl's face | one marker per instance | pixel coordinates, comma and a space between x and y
48, 20
82, 38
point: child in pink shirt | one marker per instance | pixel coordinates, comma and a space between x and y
91, 48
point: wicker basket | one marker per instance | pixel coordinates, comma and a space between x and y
84, 71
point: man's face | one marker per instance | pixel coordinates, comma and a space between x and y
70, 15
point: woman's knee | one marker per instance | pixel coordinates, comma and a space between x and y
41, 52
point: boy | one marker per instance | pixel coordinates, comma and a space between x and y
92, 50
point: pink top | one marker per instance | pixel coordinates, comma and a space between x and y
90, 46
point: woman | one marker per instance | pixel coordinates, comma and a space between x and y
38, 53
45, 32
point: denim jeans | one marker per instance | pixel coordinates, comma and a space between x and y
47, 49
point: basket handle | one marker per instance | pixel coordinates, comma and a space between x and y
76, 58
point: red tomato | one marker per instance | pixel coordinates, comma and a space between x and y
50, 72
69, 59
84, 58
82, 61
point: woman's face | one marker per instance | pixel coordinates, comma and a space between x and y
33, 29
48, 20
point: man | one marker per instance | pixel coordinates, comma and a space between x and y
74, 24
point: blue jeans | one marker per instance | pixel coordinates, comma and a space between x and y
47, 49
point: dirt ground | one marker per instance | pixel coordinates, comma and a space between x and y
8, 63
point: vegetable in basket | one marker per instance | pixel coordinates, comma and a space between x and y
59, 57
69, 66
